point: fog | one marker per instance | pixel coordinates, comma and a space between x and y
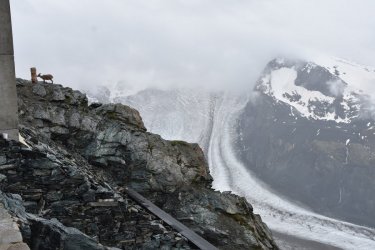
212, 43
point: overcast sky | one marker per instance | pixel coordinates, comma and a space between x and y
221, 43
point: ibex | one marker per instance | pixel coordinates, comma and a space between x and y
46, 77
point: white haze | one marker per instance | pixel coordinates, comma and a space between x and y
212, 43
336, 87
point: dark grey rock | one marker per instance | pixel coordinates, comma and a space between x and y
88, 124
41, 113
51, 234
75, 120
2, 178
88, 154
58, 95
39, 90
58, 116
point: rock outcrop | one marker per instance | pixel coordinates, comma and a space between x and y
62, 197
79, 161
42, 233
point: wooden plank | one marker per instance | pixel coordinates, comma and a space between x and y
167, 218
34, 78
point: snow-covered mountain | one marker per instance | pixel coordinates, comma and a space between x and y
300, 147
311, 135
314, 91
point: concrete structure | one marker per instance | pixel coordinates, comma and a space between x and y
10, 235
8, 91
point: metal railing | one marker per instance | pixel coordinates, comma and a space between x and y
167, 218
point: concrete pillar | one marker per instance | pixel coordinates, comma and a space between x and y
8, 91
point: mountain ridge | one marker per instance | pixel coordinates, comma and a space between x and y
80, 159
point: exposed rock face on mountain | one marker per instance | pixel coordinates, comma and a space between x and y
310, 135
80, 160
53, 185
41, 233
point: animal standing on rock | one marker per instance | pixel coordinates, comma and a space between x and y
47, 77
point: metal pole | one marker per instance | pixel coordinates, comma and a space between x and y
8, 91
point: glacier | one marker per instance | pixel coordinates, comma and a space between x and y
210, 118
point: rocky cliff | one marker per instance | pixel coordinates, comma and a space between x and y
70, 181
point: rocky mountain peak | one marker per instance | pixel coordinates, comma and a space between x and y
76, 163
311, 76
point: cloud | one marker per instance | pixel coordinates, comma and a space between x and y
336, 87
205, 43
